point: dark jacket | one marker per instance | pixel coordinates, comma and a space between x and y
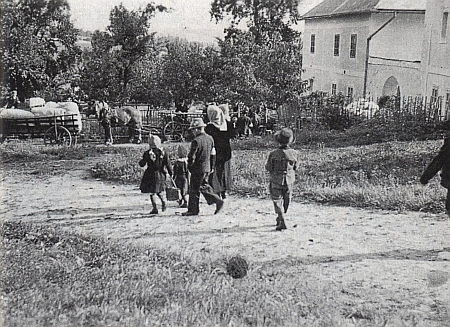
154, 178
181, 174
221, 141
201, 157
440, 163
281, 165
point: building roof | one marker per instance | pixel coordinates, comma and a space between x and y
349, 7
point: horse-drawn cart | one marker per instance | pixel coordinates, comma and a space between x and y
176, 124
56, 130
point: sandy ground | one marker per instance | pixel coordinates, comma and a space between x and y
386, 253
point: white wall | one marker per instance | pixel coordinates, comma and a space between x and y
396, 50
436, 51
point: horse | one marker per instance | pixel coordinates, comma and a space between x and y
122, 116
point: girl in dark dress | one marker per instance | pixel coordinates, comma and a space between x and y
221, 131
154, 178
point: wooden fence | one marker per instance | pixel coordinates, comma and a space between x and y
152, 120
317, 108
312, 110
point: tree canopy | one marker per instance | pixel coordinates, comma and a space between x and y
115, 52
38, 44
262, 16
259, 65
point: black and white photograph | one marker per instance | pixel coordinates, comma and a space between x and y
235, 163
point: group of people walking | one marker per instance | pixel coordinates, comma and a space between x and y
206, 168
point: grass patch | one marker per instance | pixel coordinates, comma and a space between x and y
55, 278
379, 176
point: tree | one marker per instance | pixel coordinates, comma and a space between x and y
189, 70
125, 42
260, 74
261, 65
262, 16
38, 44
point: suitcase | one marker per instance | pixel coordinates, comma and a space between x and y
172, 191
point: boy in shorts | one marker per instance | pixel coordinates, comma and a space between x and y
281, 165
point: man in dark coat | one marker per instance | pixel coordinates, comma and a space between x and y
201, 161
440, 163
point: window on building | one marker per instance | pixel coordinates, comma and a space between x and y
447, 105
333, 89
444, 26
337, 38
353, 40
313, 43
311, 84
434, 95
350, 92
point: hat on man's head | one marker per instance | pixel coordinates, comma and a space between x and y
284, 136
197, 123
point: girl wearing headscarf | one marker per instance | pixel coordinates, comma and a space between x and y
154, 178
221, 130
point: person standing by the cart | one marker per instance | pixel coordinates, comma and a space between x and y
13, 100
104, 117
154, 178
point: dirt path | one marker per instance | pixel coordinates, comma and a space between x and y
391, 252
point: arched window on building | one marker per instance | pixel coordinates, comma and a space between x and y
391, 87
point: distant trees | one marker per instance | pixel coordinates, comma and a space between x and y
38, 45
263, 17
189, 71
108, 67
260, 65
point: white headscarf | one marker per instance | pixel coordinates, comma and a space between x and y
216, 117
226, 111
154, 141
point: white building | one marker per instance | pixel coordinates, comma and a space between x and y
365, 47
436, 53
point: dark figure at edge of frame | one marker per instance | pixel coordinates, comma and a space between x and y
281, 165
201, 161
441, 162
221, 130
154, 178
181, 176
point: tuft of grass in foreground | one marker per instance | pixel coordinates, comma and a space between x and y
55, 278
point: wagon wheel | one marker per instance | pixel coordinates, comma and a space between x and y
58, 135
173, 131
